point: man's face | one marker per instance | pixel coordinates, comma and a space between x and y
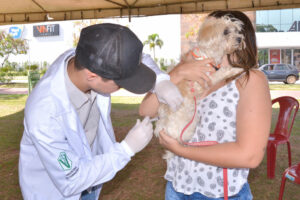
101, 85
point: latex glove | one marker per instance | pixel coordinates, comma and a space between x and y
140, 135
169, 94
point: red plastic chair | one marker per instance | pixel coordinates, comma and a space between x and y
288, 107
292, 173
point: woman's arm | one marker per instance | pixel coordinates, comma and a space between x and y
253, 125
190, 70
149, 105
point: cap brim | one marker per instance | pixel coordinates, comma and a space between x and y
140, 82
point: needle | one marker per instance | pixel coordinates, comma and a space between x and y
154, 119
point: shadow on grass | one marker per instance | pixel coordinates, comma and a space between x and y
5, 97
124, 115
11, 129
268, 189
142, 178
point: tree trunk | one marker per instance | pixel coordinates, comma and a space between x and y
5, 59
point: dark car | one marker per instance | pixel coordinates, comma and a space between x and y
287, 73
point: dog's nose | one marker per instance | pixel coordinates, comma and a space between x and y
239, 40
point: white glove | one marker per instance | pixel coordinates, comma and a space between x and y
140, 135
169, 94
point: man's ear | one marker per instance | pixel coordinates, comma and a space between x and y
90, 75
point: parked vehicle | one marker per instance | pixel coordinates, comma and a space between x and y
286, 73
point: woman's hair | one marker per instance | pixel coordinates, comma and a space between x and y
245, 58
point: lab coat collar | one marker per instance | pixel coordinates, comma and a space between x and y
65, 110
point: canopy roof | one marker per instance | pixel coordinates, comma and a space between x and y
28, 11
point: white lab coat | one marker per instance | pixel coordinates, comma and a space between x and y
56, 161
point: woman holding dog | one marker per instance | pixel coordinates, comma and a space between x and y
235, 113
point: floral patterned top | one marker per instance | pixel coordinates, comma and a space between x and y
218, 123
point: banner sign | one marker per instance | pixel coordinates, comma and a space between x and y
295, 27
274, 56
15, 32
46, 30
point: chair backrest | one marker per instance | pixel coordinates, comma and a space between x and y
288, 107
298, 168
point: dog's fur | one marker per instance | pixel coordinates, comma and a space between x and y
217, 37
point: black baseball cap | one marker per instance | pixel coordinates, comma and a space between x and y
114, 52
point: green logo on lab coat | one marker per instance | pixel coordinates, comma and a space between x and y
64, 161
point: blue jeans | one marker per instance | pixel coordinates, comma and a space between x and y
171, 194
88, 196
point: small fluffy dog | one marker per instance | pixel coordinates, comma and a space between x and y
217, 37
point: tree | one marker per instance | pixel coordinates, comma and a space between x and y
263, 56
10, 46
265, 28
153, 41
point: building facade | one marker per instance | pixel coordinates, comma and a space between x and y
47, 40
277, 33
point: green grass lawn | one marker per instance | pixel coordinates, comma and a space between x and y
142, 178
11, 128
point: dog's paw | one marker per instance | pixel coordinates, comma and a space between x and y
168, 155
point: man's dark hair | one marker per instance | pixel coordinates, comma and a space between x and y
77, 64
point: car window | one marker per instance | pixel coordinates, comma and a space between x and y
265, 67
292, 67
271, 67
280, 67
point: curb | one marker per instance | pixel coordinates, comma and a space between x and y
13, 90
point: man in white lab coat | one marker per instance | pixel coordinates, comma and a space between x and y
68, 149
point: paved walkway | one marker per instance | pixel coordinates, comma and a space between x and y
13, 90
278, 93
274, 93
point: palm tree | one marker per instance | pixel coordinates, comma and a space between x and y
153, 41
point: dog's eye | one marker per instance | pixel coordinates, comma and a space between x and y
226, 31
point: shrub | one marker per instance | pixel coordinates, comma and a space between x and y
43, 71
6, 77
32, 67
10, 70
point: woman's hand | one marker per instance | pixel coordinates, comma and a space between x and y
169, 143
194, 70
